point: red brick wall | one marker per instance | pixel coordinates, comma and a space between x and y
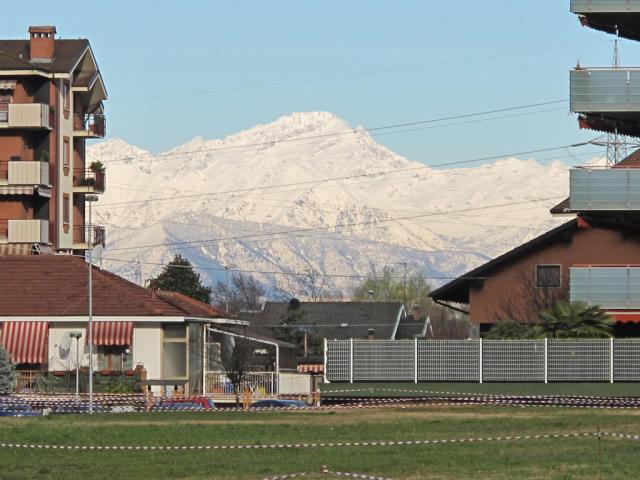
596, 245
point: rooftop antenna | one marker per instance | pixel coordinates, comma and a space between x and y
616, 143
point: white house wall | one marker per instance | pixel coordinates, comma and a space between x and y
147, 348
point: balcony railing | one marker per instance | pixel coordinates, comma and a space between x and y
24, 230
88, 181
607, 189
25, 115
24, 172
605, 6
82, 235
605, 90
616, 288
90, 125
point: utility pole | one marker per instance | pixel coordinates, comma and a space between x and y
90, 199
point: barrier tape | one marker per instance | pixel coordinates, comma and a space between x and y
326, 471
467, 394
280, 446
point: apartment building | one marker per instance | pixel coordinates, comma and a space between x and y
51, 103
595, 256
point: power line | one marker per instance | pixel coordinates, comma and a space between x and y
340, 226
337, 134
279, 201
150, 186
346, 177
352, 75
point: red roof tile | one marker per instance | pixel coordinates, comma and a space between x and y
57, 285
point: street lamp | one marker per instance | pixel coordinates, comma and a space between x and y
90, 199
77, 336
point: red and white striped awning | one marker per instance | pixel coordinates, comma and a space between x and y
112, 333
311, 368
26, 342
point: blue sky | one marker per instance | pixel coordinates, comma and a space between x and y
168, 50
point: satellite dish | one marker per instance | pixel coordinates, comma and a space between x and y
65, 346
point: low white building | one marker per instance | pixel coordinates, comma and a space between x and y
44, 307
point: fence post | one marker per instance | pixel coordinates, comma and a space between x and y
351, 360
546, 360
481, 368
415, 361
324, 369
611, 360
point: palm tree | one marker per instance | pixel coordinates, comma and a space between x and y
574, 320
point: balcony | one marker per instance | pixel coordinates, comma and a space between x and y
25, 115
88, 181
615, 288
604, 189
610, 16
82, 235
608, 99
89, 126
24, 231
605, 6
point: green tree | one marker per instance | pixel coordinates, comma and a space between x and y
293, 328
179, 276
574, 320
388, 286
7, 373
510, 330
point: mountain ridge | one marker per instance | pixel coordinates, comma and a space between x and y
424, 214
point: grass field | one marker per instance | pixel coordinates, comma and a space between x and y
572, 458
383, 389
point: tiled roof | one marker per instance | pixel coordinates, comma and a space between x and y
334, 320
457, 290
57, 285
67, 53
195, 307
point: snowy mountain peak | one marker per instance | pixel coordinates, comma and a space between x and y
238, 192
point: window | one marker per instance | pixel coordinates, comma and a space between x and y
115, 358
66, 153
65, 209
548, 276
65, 96
5, 100
174, 351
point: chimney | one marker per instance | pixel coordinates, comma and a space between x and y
371, 334
42, 41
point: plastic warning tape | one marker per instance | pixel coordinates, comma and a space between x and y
468, 394
327, 472
277, 446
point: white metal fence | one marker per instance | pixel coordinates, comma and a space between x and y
259, 383
548, 360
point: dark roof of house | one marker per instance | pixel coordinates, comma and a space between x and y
57, 285
410, 328
457, 290
195, 307
335, 320
630, 161
248, 332
16, 55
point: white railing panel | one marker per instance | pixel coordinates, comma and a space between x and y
513, 360
379, 360
448, 360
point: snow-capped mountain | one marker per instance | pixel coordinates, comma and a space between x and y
315, 178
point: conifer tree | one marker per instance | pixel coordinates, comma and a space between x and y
7, 372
